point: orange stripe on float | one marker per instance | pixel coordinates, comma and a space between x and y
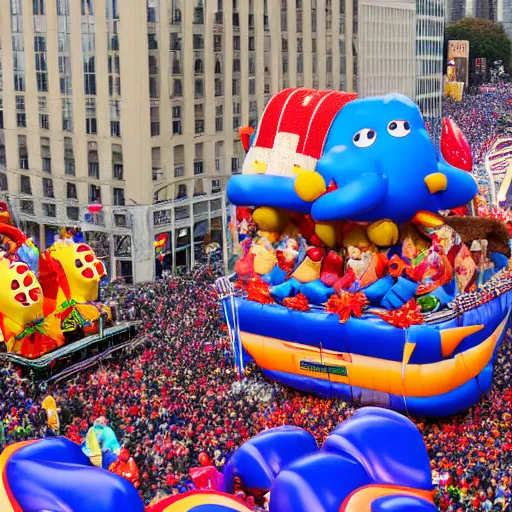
361, 500
189, 502
7, 501
418, 380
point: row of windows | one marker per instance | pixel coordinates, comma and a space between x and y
71, 190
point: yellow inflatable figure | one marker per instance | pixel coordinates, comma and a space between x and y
21, 299
82, 269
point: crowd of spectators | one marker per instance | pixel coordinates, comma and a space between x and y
482, 117
177, 394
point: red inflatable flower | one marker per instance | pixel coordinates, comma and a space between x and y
298, 303
347, 304
409, 314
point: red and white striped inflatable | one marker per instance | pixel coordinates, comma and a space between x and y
292, 131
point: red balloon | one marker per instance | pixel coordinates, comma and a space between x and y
204, 460
454, 146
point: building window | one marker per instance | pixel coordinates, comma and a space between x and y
176, 127
115, 118
177, 90
69, 157
71, 192
49, 210
182, 191
252, 45
236, 43
217, 43
235, 165
156, 164
198, 67
48, 188
219, 87
38, 7
1, 102
175, 42
199, 126
219, 124
73, 213
198, 88
252, 86
18, 45
25, 186
198, 42
198, 16
198, 168
46, 157
153, 87
155, 121
152, 42
21, 116
3, 182
117, 162
91, 125
27, 207
41, 63
179, 171
67, 115
94, 194
236, 87
118, 197
44, 116
93, 161
236, 65
87, 7
215, 186
23, 151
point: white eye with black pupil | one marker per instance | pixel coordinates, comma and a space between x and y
364, 138
399, 129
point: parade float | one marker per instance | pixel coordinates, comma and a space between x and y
353, 280
374, 461
48, 300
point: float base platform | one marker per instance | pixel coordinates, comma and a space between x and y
67, 356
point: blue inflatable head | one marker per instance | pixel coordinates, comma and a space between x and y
379, 156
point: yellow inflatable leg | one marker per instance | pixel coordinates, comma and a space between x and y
309, 185
326, 233
270, 219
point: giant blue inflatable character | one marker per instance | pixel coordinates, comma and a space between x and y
346, 159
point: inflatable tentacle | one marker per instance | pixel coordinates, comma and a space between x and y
353, 199
266, 190
460, 186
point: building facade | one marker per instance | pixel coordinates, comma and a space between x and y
385, 50
121, 118
430, 21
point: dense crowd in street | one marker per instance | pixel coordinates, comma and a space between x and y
482, 117
177, 395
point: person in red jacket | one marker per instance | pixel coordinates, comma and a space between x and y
126, 467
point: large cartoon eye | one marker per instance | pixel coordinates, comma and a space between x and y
364, 138
399, 129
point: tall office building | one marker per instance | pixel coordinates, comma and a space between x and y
385, 49
430, 17
121, 117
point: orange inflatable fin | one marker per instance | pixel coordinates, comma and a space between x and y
245, 133
452, 338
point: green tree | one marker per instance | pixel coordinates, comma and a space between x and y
486, 39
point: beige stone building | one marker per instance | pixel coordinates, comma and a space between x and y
134, 105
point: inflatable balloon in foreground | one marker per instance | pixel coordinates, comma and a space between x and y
350, 282
374, 461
